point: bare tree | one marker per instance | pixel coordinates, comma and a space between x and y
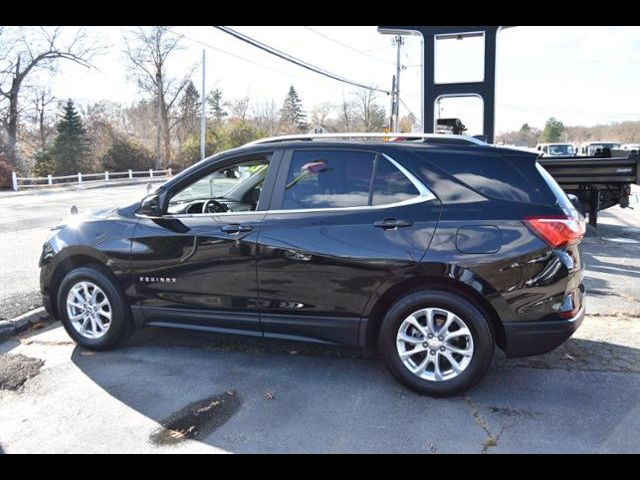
239, 107
266, 114
407, 123
24, 50
346, 115
42, 100
148, 50
371, 114
320, 113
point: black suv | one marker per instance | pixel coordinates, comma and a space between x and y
430, 251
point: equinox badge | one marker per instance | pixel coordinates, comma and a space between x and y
157, 279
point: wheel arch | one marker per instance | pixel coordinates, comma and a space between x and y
401, 288
64, 266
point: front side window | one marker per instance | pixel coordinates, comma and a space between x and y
339, 179
232, 188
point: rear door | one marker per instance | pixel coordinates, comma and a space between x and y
341, 222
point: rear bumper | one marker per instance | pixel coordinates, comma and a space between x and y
535, 338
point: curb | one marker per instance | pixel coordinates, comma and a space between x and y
9, 328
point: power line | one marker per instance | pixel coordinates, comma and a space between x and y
297, 61
239, 57
244, 59
349, 47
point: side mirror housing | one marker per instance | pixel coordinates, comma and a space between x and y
150, 207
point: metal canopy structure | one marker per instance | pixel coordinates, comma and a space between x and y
432, 91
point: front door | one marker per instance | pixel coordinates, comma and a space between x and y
197, 265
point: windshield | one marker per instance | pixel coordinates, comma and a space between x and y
561, 150
595, 147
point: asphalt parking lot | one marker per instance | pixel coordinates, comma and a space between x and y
174, 391
25, 220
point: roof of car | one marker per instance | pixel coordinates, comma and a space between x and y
368, 145
386, 137
369, 140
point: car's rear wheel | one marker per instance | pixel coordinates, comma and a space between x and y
93, 309
436, 342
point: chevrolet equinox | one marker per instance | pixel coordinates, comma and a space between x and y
430, 250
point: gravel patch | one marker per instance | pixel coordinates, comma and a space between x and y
15, 370
20, 303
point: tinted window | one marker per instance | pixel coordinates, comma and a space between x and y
390, 185
490, 176
328, 179
561, 197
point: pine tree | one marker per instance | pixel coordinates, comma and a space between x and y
215, 105
292, 112
70, 149
552, 132
189, 111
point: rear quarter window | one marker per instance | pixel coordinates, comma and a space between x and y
561, 197
492, 177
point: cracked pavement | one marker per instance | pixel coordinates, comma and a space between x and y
291, 397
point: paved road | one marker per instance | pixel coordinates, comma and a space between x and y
25, 221
174, 391
243, 397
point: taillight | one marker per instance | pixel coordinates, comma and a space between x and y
557, 231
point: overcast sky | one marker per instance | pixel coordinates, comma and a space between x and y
582, 75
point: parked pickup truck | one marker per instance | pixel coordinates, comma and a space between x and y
596, 148
631, 146
556, 149
599, 181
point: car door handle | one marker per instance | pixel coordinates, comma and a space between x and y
230, 229
391, 223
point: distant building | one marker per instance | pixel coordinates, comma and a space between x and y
318, 128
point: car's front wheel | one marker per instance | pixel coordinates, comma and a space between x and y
93, 309
436, 342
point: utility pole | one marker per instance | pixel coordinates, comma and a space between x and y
203, 117
159, 160
393, 104
398, 41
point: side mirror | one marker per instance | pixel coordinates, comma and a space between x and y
150, 207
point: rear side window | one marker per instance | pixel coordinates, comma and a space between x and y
490, 176
390, 185
561, 197
330, 179
338, 179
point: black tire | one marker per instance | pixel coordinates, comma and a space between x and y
121, 320
476, 321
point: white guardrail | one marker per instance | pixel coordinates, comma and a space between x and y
81, 178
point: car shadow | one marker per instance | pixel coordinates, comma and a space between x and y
191, 384
580, 354
603, 256
598, 265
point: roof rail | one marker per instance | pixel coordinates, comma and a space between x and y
388, 136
